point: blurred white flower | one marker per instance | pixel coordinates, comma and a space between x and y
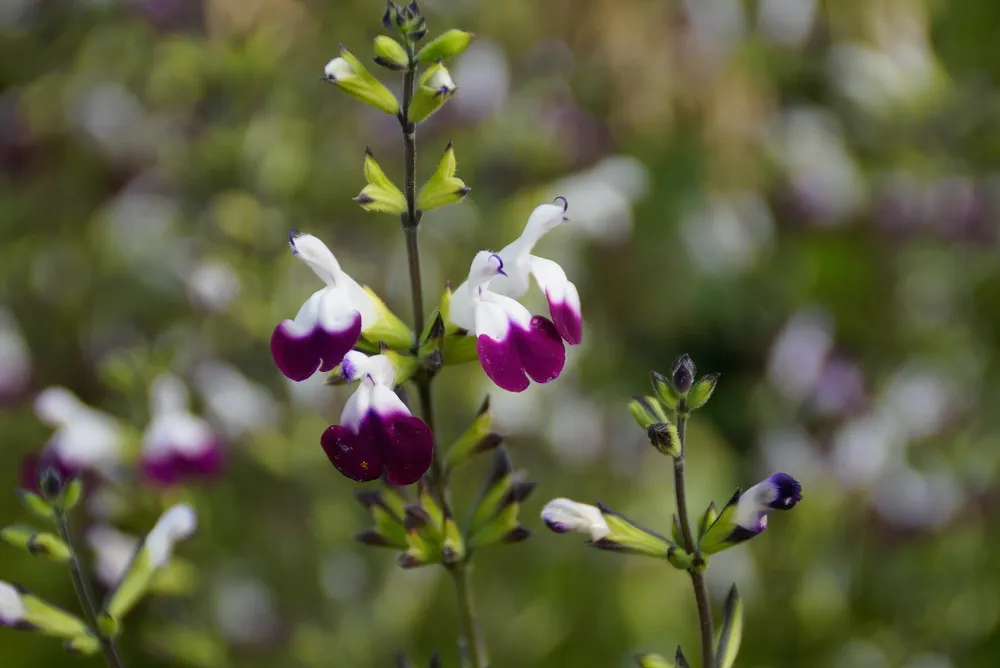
212, 284
603, 197
786, 22
799, 353
85, 438
112, 550
239, 405
726, 234
15, 358
483, 75
244, 610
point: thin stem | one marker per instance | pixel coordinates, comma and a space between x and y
707, 625
410, 223
85, 594
467, 608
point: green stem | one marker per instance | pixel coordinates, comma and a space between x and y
85, 594
706, 624
410, 223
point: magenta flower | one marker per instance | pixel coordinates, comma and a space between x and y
177, 444
376, 433
329, 324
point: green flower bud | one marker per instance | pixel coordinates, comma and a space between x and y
390, 54
351, 76
683, 374
447, 45
731, 635
36, 504
702, 391
36, 543
665, 390
20, 609
435, 88
443, 187
380, 194
665, 438
647, 411
477, 438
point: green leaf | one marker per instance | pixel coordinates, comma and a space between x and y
71, 494
715, 537
647, 411
732, 631
702, 391
710, 515
36, 504
664, 389
497, 529
446, 45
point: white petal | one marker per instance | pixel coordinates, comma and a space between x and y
573, 516
441, 80
57, 405
187, 433
357, 407
486, 266
308, 315
11, 606
461, 310
543, 219
92, 439
553, 282
386, 402
753, 505
113, 550
381, 371
320, 259
335, 311
354, 366
176, 524
338, 69
168, 394
361, 301
495, 314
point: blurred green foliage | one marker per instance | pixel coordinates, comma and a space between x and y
810, 207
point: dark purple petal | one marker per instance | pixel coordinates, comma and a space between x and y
555, 525
164, 470
355, 455
299, 356
407, 448
568, 321
174, 466
206, 463
788, 491
541, 350
502, 362
740, 534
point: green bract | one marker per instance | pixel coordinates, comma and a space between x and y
446, 45
348, 73
443, 187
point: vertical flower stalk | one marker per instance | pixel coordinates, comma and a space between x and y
410, 219
62, 499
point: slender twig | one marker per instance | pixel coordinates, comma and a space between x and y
85, 594
410, 222
706, 623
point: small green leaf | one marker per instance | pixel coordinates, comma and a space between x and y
36, 504
443, 187
477, 438
680, 660
665, 390
381, 194
647, 411
446, 45
702, 391
732, 631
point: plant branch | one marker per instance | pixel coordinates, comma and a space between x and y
410, 222
706, 624
84, 592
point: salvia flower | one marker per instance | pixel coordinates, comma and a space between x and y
434, 88
12, 610
85, 438
154, 553
22, 610
177, 444
377, 433
745, 516
352, 77
330, 322
561, 294
564, 515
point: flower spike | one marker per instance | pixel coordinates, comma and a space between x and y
745, 516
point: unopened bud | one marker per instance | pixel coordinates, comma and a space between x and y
50, 483
664, 438
683, 375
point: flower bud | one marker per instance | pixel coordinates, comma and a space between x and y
664, 390
702, 391
380, 194
652, 661
477, 438
443, 187
351, 76
390, 54
683, 374
647, 411
665, 438
22, 610
446, 45
435, 88
36, 543
51, 484
731, 635
36, 504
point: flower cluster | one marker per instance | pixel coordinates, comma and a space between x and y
664, 415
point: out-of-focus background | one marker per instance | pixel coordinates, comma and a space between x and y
802, 195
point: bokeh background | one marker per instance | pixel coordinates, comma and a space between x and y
803, 195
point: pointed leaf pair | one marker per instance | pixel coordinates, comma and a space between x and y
443, 187
432, 535
387, 508
494, 518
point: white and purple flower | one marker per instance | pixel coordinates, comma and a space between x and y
177, 444
85, 439
12, 608
745, 516
519, 263
331, 321
565, 515
376, 433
